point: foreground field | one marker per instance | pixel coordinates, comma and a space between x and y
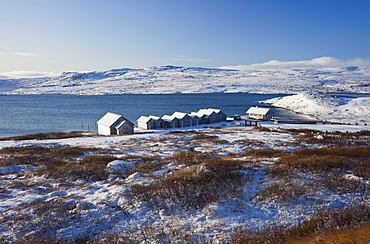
220, 184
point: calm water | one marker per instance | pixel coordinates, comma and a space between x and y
29, 114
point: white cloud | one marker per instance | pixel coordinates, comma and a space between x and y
25, 74
26, 54
321, 62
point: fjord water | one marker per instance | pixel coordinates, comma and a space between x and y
30, 114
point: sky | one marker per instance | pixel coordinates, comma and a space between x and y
52, 36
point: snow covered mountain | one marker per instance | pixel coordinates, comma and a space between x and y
173, 79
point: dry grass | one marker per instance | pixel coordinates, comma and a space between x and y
342, 185
336, 138
282, 191
325, 160
308, 171
189, 157
321, 228
62, 163
204, 136
261, 129
201, 137
54, 135
359, 235
147, 167
50, 215
265, 153
193, 187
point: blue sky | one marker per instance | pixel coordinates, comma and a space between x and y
85, 35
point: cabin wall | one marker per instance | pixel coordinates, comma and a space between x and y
104, 130
186, 122
195, 121
125, 129
269, 115
142, 125
256, 116
221, 116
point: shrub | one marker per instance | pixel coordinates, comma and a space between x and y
223, 166
306, 132
193, 187
53, 135
261, 129
317, 229
185, 189
324, 160
32, 150
362, 171
284, 192
264, 152
147, 167
61, 162
342, 185
336, 138
203, 136
89, 168
51, 214
189, 158
69, 152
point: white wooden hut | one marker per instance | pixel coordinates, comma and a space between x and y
150, 122
202, 118
211, 115
221, 116
184, 119
195, 120
114, 124
170, 121
259, 113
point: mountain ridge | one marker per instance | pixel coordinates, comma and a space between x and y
177, 79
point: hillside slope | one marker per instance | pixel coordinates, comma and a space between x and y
173, 79
327, 107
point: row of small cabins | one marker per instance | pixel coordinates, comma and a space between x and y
115, 124
179, 119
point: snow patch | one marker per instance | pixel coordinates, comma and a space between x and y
119, 167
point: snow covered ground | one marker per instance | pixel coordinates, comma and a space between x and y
172, 79
89, 209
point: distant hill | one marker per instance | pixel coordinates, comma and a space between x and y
174, 79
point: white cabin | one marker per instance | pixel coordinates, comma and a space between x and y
184, 119
171, 121
114, 124
150, 122
259, 113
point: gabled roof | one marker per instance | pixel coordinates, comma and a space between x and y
179, 115
208, 111
214, 110
168, 118
109, 119
199, 115
147, 118
121, 123
258, 110
195, 114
